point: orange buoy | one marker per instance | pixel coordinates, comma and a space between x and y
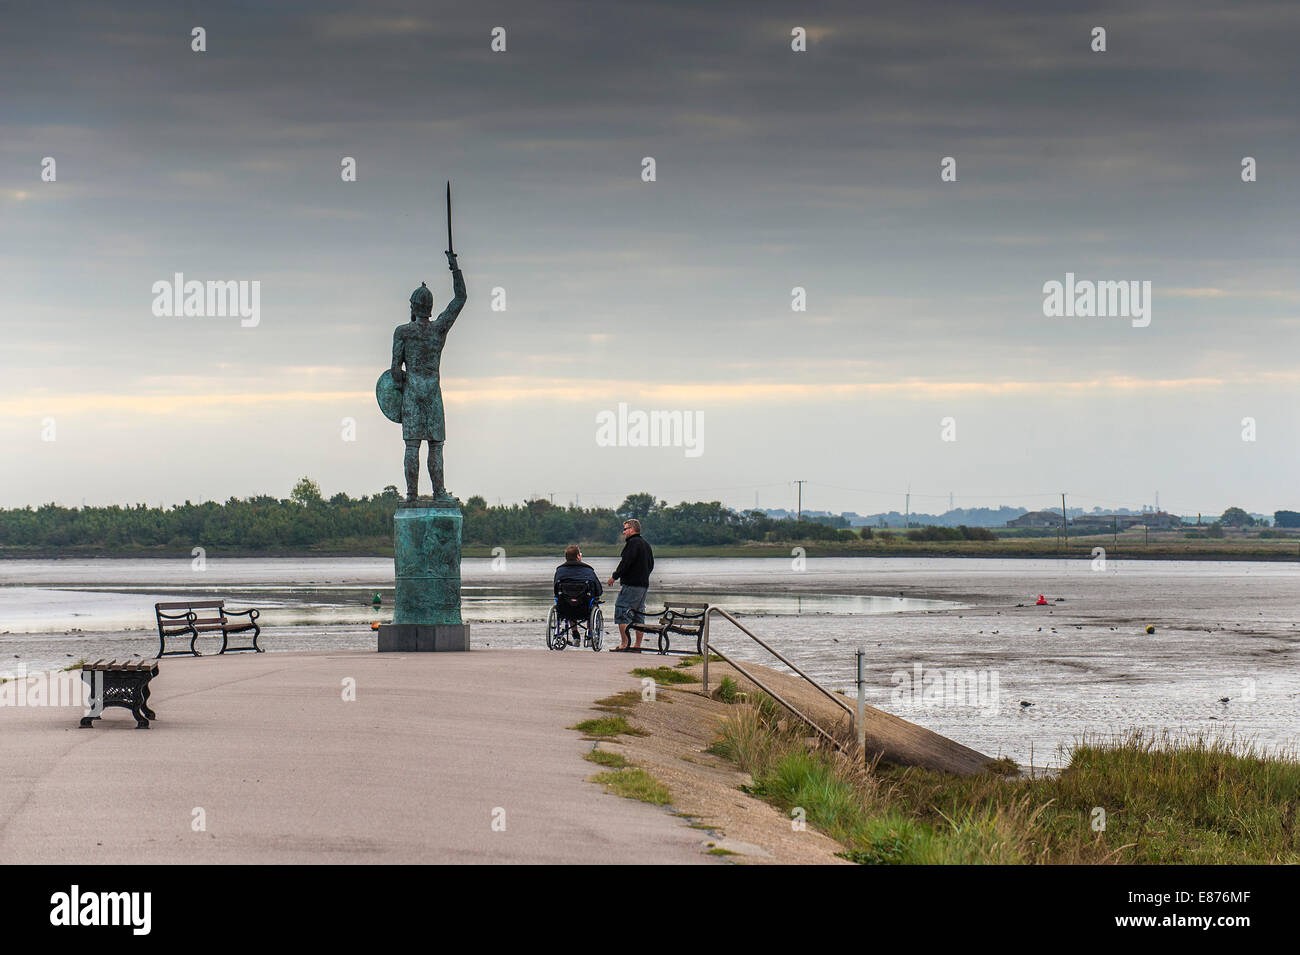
1042, 601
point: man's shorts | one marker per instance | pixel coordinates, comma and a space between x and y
630, 605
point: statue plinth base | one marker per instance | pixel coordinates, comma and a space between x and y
426, 561
417, 638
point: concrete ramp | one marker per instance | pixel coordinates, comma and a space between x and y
892, 738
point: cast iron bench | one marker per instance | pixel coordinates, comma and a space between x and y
216, 620
120, 684
686, 619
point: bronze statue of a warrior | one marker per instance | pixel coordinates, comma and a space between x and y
410, 392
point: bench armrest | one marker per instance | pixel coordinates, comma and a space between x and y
251, 614
688, 614
189, 616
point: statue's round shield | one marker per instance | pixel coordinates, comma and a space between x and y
389, 397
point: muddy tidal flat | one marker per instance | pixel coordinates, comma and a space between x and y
954, 644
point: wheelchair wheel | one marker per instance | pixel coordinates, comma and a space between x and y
554, 639
596, 628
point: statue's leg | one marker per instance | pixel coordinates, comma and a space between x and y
412, 463
435, 468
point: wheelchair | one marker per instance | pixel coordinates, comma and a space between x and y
576, 619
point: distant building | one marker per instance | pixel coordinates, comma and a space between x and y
1162, 520
1037, 519
1100, 523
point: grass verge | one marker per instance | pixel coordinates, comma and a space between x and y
608, 726
634, 783
619, 702
696, 658
665, 675
1154, 799
609, 760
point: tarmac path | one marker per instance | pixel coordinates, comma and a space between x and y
279, 768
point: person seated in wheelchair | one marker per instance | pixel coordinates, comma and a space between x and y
577, 588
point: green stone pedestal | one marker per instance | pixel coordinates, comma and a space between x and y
426, 547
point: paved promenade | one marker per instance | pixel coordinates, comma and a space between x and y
285, 771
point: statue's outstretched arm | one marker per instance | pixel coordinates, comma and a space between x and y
458, 288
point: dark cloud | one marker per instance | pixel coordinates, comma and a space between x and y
774, 170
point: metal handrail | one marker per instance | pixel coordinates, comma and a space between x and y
745, 630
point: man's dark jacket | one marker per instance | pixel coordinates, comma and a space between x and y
636, 563
577, 570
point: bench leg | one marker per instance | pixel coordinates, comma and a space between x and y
227, 648
144, 702
140, 722
88, 722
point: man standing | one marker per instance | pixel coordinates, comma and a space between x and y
633, 573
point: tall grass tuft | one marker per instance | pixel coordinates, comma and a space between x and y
1140, 798
728, 691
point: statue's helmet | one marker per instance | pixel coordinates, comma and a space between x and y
422, 302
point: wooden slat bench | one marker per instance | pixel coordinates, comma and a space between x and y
119, 684
181, 618
686, 619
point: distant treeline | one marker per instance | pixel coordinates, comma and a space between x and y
307, 520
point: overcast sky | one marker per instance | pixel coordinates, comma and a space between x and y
774, 169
